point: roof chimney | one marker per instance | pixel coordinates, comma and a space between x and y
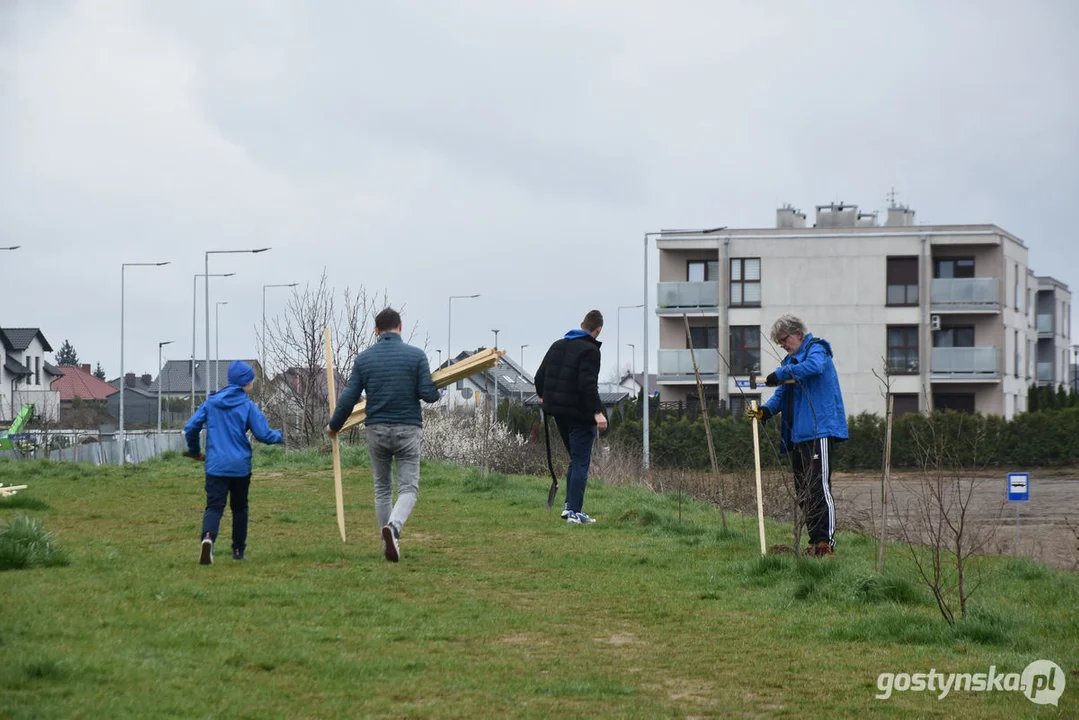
147, 379
788, 217
86, 367
836, 215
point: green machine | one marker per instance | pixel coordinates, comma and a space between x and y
9, 437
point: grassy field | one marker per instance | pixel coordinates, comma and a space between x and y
497, 608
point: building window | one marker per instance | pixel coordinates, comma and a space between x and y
902, 279
1018, 354
959, 402
745, 282
904, 403
704, 337
740, 403
37, 371
957, 336
702, 270
950, 268
903, 349
745, 350
1018, 297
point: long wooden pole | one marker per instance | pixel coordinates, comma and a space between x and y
334, 442
757, 468
707, 427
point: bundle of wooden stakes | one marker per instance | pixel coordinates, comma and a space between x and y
10, 489
446, 376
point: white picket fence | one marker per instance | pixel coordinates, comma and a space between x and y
140, 447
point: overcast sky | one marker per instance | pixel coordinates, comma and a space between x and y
517, 150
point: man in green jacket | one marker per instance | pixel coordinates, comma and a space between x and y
395, 376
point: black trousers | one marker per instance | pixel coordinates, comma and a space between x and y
812, 465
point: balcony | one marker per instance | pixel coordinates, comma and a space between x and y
1045, 325
676, 298
676, 365
971, 364
965, 295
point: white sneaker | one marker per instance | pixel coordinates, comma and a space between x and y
566, 512
579, 518
392, 545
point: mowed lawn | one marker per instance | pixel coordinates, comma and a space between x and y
497, 608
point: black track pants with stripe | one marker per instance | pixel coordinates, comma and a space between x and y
812, 465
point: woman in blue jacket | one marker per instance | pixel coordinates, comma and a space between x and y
809, 399
228, 414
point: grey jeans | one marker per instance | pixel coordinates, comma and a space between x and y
387, 442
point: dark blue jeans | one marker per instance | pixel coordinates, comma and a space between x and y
579, 440
218, 489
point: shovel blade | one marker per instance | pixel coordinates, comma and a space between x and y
551, 494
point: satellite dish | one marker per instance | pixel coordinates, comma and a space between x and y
466, 393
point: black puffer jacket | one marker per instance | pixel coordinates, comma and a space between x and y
568, 379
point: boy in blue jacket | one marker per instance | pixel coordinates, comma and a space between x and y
809, 399
228, 414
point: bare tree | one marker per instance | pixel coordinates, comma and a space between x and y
297, 398
939, 527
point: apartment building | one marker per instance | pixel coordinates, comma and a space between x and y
949, 316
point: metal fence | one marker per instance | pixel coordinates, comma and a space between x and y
103, 449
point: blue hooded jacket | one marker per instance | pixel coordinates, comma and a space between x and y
228, 414
813, 406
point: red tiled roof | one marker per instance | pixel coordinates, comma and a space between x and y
80, 382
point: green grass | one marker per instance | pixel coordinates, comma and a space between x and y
497, 608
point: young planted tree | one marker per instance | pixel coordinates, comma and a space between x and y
939, 528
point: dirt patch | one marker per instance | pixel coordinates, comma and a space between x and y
1048, 523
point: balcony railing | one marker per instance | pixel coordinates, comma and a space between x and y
965, 294
688, 295
1045, 323
974, 362
678, 362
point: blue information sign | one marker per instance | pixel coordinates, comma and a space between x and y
1018, 487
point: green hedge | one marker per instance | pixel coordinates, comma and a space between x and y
1046, 438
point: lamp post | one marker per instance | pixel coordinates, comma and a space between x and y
523, 356
194, 303
494, 374
217, 344
618, 338
262, 351
632, 359
159, 346
123, 380
11, 247
206, 272
644, 346
449, 330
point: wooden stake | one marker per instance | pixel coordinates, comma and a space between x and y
757, 468
335, 443
442, 378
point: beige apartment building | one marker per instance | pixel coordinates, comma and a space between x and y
950, 315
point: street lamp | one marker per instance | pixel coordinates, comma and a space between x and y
632, 359
618, 338
206, 272
523, 356
449, 329
644, 379
194, 303
123, 383
217, 345
159, 346
11, 247
262, 352
494, 374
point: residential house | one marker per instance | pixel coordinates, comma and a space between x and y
175, 380
950, 313
507, 377
634, 383
83, 397
25, 376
